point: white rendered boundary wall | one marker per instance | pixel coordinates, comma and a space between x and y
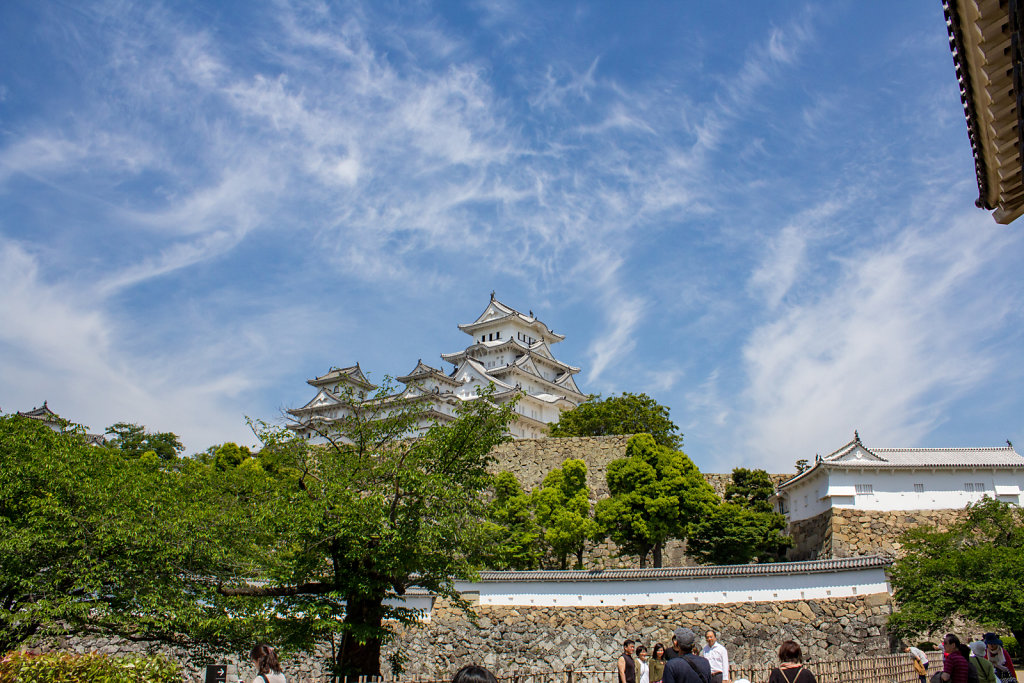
778, 582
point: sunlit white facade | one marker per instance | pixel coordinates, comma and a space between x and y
857, 477
510, 350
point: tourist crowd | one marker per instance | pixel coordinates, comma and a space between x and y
984, 660
687, 662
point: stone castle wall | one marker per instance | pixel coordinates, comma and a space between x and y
583, 638
843, 532
871, 532
530, 460
590, 638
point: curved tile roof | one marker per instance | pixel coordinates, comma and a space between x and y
774, 568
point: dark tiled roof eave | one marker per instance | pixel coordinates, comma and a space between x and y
956, 46
668, 573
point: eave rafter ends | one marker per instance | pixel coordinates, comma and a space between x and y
986, 39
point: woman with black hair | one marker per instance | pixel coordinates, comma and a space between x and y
473, 674
267, 668
657, 662
790, 669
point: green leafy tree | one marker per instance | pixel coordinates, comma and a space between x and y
90, 541
974, 570
371, 515
625, 414
226, 455
802, 466
744, 528
657, 493
752, 489
132, 441
734, 534
516, 536
563, 511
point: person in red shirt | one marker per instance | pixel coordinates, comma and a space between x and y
954, 665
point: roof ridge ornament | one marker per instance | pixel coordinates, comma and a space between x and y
856, 437
492, 295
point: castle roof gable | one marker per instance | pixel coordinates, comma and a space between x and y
855, 455
322, 399
473, 370
41, 413
423, 371
497, 312
353, 374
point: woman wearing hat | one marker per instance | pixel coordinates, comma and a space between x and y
997, 654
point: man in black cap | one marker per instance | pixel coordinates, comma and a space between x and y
685, 667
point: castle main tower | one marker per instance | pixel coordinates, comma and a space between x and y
509, 349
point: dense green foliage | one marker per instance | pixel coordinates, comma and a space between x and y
516, 538
733, 534
89, 668
752, 489
744, 527
974, 570
133, 441
89, 537
657, 493
562, 505
625, 414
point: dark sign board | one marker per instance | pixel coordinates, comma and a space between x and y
217, 673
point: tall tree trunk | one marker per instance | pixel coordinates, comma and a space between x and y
357, 658
657, 555
563, 560
579, 558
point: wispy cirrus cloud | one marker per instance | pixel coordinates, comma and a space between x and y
899, 333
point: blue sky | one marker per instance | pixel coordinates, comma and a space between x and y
761, 214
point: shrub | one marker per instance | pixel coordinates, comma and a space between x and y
19, 667
1013, 647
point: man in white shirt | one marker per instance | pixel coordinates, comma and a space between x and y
717, 656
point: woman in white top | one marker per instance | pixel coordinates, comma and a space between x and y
643, 669
267, 668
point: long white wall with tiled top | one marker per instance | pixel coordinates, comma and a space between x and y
703, 590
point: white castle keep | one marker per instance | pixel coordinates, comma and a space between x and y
510, 350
